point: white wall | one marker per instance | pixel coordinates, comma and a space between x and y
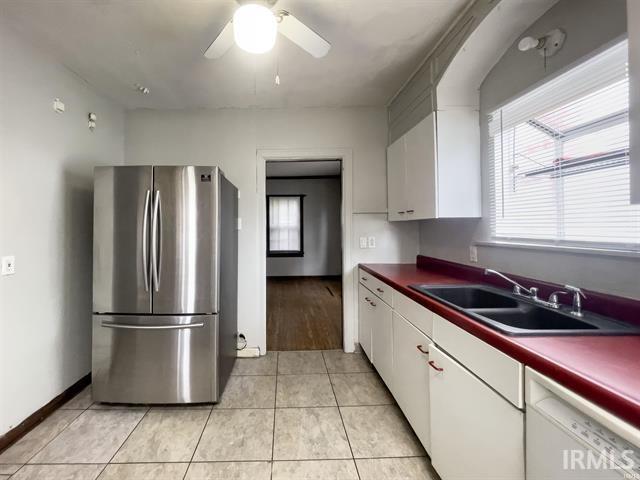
231, 137
589, 24
46, 169
321, 227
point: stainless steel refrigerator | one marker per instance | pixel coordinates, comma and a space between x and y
165, 261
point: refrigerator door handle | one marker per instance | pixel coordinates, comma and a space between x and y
145, 242
155, 260
152, 327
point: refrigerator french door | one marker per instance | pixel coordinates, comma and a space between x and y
159, 335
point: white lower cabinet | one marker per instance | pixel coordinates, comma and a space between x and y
411, 376
365, 313
381, 340
475, 433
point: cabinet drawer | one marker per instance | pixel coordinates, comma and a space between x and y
501, 372
379, 288
419, 316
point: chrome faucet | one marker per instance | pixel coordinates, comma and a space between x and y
578, 295
517, 288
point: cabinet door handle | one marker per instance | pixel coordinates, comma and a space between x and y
367, 299
433, 365
420, 349
380, 290
401, 213
373, 304
410, 211
364, 278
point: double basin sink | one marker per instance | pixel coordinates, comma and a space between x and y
516, 315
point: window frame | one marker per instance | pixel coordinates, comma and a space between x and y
553, 243
286, 253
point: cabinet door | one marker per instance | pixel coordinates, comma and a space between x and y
411, 376
475, 433
396, 198
365, 312
382, 340
421, 185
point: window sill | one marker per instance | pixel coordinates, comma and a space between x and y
602, 251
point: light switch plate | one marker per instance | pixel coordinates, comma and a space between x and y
363, 242
473, 254
372, 242
8, 265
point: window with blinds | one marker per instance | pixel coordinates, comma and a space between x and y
559, 159
284, 216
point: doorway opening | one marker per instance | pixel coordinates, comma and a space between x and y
304, 254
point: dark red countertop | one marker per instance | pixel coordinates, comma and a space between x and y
603, 369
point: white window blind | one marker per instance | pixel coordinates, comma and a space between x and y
559, 159
285, 224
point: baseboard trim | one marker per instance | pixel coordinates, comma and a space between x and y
39, 415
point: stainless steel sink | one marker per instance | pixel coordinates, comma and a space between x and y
471, 297
513, 315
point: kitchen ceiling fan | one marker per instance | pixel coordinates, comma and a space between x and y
254, 28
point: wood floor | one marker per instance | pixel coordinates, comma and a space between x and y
304, 313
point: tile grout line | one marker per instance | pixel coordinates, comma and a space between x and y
344, 427
125, 441
178, 462
198, 443
59, 433
275, 405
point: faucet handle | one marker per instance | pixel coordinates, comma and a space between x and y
575, 290
553, 298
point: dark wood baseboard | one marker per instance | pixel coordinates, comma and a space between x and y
39, 415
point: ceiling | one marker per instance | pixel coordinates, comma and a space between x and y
114, 44
304, 168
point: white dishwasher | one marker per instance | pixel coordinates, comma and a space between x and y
570, 438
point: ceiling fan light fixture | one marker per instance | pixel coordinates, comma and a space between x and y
255, 28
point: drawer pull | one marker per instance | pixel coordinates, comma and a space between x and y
373, 304
367, 299
380, 290
410, 211
152, 327
433, 365
364, 278
401, 213
419, 347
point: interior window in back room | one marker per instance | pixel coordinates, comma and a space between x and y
285, 233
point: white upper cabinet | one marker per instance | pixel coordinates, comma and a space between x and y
434, 169
396, 168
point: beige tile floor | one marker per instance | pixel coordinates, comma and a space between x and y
285, 416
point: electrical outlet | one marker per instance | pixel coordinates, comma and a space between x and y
8, 265
363, 242
473, 254
372, 242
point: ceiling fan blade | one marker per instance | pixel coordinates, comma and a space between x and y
223, 42
303, 36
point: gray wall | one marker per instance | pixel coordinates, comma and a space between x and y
321, 224
230, 137
589, 24
46, 208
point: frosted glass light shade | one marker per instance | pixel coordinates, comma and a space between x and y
255, 28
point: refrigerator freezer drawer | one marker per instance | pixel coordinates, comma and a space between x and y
155, 359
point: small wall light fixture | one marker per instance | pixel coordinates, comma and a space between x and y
142, 89
92, 121
547, 45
